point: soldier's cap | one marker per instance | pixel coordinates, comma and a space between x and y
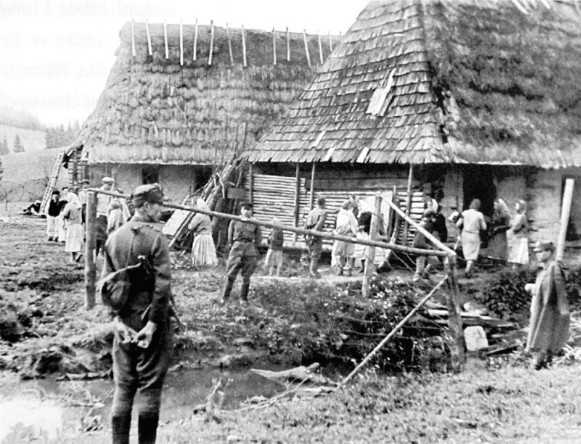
543, 246
151, 193
107, 179
247, 205
429, 213
85, 181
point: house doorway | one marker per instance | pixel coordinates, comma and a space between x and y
479, 184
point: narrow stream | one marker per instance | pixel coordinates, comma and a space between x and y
50, 411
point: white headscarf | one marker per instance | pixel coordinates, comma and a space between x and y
73, 199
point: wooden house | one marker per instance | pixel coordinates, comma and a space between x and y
468, 98
182, 99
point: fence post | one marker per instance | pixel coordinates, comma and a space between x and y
454, 317
90, 250
370, 259
565, 213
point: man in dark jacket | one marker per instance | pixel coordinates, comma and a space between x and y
315, 221
245, 238
53, 209
143, 338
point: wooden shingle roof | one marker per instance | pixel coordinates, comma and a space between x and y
435, 81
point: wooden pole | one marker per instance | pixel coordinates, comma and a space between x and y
454, 316
211, 42
408, 203
392, 333
565, 213
149, 48
195, 40
287, 45
320, 48
251, 184
297, 199
165, 40
301, 231
370, 259
306, 47
181, 43
312, 194
229, 45
132, 38
243, 47
90, 250
273, 46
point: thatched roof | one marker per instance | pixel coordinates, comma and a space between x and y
464, 81
157, 110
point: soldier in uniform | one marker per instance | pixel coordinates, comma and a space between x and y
143, 338
103, 201
245, 237
316, 221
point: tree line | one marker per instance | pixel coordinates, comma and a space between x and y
56, 137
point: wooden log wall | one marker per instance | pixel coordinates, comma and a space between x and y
416, 211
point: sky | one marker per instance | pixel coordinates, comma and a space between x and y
56, 54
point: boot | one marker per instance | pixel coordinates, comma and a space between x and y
227, 290
314, 273
120, 425
147, 427
244, 290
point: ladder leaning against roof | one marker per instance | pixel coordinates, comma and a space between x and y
52, 182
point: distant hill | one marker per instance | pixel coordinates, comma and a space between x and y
31, 139
19, 118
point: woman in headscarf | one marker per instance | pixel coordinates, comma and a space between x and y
472, 222
346, 226
203, 248
500, 222
72, 214
517, 236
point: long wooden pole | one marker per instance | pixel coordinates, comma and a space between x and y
370, 258
454, 316
408, 203
251, 184
565, 213
90, 250
302, 231
312, 194
392, 333
297, 199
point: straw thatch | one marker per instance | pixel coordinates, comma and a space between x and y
154, 109
466, 81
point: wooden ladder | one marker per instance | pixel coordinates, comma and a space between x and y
416, 212
52, 182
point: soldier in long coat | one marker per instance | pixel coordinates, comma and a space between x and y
143, 338
549, 326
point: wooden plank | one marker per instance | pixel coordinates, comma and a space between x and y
90, 251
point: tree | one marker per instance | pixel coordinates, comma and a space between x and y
18, 147
4, 150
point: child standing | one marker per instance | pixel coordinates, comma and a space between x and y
115, 218
275, 247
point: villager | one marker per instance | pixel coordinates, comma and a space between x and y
103, 202
455, 217
203, 248
33, 208
363, 228
549, 326
61, 225
275, 248
115, 217
420, 241
354, 201
472, 223
74, 232
346, 225
245, 238
142, 344
440, 231
83, 198
517, 236
315, 221
430, 203
52, 213
500, 223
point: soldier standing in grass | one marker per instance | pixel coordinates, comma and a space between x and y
142, 344
244, 237
315, 221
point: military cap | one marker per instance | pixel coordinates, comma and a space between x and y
107, 179
151, 193
543, 246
